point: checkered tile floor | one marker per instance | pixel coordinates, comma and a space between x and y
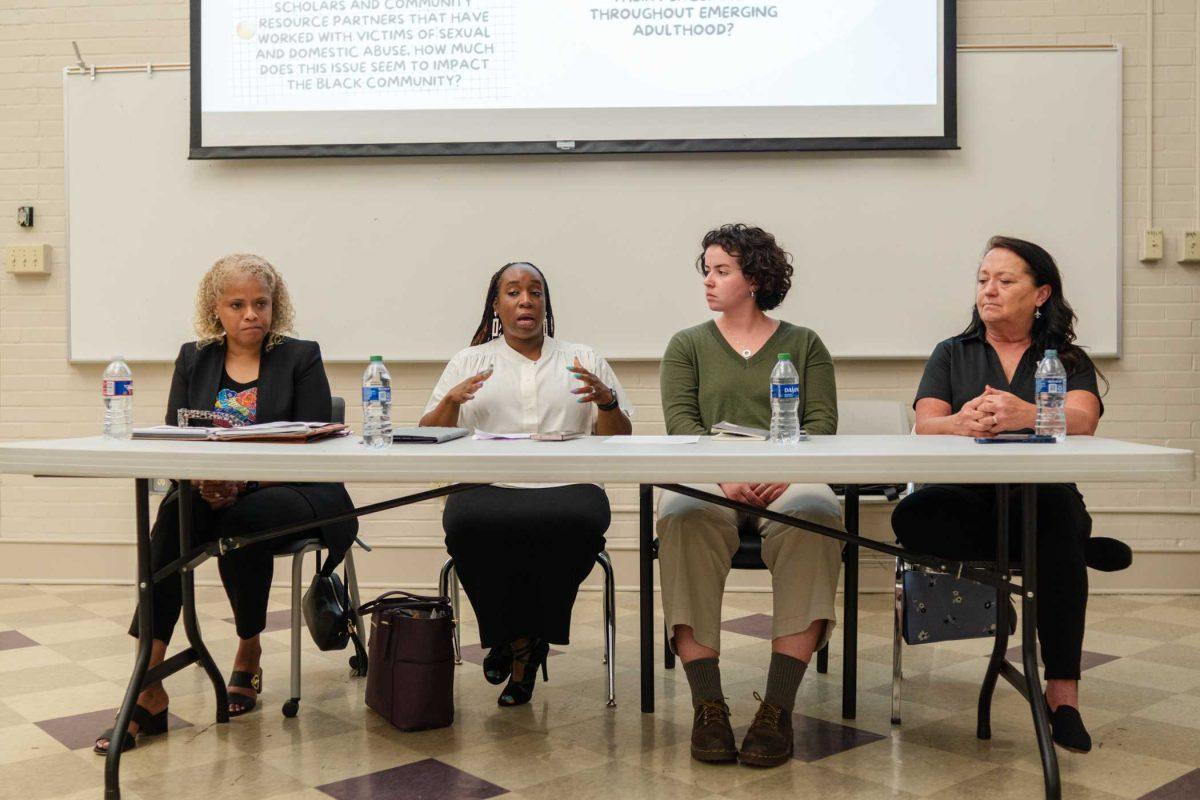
64, 659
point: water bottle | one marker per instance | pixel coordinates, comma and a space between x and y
377, 405
785, 401
117, 392
1050, 384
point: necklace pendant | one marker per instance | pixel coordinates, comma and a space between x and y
746, 353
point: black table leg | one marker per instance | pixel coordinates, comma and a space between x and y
850, 623
983, 724
190, 623
145, 612
1033, 684
646, 591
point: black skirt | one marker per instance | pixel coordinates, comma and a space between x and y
522, 553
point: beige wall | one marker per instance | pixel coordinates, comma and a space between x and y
78, 530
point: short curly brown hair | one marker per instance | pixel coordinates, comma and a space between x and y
208, 323
764, 263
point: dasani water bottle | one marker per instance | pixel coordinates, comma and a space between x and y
1050, 387
377, 405
785, 401
116, 389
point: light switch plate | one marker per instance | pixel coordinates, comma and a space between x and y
30, 259
1152, 245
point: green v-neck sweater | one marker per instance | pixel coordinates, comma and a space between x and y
705, 381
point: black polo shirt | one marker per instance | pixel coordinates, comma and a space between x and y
962, 367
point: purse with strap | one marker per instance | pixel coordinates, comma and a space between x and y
410, 677
329, 615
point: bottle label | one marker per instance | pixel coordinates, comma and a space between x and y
110, 388
1051, 386
377, 394
785, 391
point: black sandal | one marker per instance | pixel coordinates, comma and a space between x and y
497, 664
532, 656
148, 725
244, 703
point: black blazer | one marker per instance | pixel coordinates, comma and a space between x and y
291, 387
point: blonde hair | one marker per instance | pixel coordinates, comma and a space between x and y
208, 324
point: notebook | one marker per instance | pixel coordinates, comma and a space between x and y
428, 435
727, 430
264, 432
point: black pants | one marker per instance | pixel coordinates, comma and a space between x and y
245, 572
958, 522
522, 553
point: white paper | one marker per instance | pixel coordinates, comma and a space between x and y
482, 435
652, 439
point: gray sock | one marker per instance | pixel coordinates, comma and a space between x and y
783, 679
704, 679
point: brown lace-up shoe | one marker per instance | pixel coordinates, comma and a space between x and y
768, 743
712, 736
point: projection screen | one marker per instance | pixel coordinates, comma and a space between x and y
475, 77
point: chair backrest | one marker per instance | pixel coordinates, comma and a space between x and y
339, 410
873, 418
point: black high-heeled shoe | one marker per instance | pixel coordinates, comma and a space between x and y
532, 656
497, 664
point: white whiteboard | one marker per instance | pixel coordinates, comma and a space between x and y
392, 256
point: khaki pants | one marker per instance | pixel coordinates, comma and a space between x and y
697, 541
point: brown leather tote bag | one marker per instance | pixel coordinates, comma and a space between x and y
410, 677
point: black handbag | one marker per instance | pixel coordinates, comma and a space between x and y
942, 608
329, 615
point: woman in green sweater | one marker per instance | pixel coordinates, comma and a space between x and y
720, 371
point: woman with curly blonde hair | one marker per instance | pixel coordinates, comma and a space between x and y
245, 366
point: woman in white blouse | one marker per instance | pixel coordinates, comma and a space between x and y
521, 551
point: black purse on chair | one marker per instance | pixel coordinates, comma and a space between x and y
329, 615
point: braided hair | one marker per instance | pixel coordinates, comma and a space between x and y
483, 333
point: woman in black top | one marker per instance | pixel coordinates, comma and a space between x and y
244, 367
981, 383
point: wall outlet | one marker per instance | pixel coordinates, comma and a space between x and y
1189, 248
1152, 245
30, 259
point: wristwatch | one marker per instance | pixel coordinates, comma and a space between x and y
251, 486
611, 405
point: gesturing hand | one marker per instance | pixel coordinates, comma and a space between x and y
593, 389
465, 391
1004, 411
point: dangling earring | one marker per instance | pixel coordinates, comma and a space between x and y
496, 328
752, 292
545, 326
1037, 313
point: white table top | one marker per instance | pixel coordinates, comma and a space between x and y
823, 459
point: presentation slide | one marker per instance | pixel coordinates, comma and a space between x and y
352, 72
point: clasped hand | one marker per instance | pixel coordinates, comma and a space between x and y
759, 495
220, 494
995, 412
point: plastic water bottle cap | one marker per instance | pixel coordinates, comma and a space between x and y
377, 358
1051, 354
785, 356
